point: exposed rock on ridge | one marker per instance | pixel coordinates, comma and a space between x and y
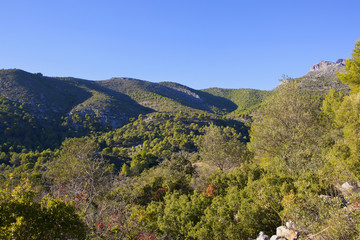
321, 77
327, 68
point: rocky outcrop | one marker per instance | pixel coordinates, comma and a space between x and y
327, 68
321, 77
286, 232
323, 65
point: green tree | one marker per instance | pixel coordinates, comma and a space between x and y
344, 155
180, 213
222, 148
141, 161
81, 175
288, 132
352, 70
23, 218
331, 104
125, 170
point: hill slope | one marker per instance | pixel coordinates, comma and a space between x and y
68, 104
47, 97
245, 99
117, 99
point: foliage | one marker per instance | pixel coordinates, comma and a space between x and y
144, 143
222, 147
322, 216
246, 100
344, 155
19, 129
185, 175
288, 134
352, 68
23, 218
81, 176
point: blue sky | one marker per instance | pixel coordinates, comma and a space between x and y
198, 43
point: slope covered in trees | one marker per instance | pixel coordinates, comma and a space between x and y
190, 174
246, 99
46, 110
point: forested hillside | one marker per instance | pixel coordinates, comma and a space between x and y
131, 159
247, 100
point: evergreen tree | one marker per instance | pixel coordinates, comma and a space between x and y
352, 70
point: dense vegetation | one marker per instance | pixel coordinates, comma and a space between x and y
246, 99
186, 175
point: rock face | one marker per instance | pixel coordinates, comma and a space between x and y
321, 77
326, 68
326, 64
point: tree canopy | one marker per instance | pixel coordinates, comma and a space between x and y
352, 70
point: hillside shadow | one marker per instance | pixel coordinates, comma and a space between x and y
53, 93
222, 103
131, 104
58, 96
205, 101
61, 95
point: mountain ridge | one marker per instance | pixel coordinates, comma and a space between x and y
321, 77
116, 100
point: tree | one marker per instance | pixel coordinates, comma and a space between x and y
344, 155
141, 161
80, 174
23, 218
179, 213
352, 70
288, 132
331, 104
221, 148
343, 112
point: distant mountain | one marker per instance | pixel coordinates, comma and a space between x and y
167, 96
114, 101
327, 68
48, 97
322, 77
38, 112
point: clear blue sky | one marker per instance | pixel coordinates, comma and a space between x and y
198, 43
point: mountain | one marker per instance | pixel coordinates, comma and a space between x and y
117, 99
167, 96
322, 77
113, 101
47, 97
77, 107
327, 68
187, 152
